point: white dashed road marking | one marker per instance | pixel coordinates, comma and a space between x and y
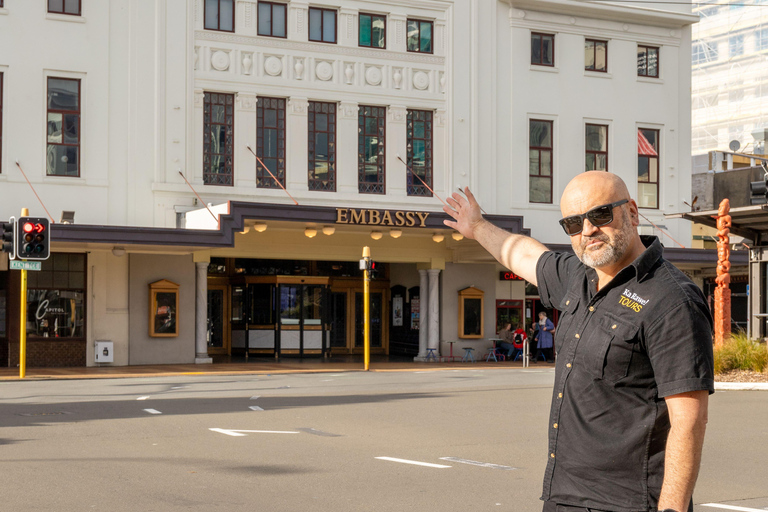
152, 411
142, 398
237, 433
475, 463
255, 408
414, 462
733, 507
255, 397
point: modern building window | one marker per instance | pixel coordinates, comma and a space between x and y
736, 46
540, 161
218, 138
762, 39
595, 55
542, 49
419, 35
370, 149
63, 151
72, 7
270, 142
419, 147
220, 15
322, 146
322, 25
597, 147
648, 61
372, 30
704, 52
272, 19
56, 298
648, 168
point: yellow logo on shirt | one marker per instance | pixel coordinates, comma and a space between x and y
632, 301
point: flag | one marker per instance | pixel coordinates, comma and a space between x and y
644, 148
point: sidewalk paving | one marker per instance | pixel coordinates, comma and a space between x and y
255, 367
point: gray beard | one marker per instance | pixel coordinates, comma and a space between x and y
611, 252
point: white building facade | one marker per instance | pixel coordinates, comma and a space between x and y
293, 117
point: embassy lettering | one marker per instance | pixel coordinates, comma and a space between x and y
381, 217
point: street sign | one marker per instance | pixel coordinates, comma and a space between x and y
26, 265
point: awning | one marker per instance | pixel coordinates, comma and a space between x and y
644, 148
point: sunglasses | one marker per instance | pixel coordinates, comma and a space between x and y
598, 216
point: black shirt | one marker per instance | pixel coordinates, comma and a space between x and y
646, 335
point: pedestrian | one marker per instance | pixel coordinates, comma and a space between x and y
544, 338
634, 342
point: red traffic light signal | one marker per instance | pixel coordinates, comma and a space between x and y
33, 242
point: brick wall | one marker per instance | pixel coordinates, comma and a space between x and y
50, 354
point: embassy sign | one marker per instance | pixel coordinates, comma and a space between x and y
381, 217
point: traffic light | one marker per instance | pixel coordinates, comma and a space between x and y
759, 191
374, 269
8, 237
33, 238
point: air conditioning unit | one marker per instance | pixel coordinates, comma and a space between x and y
104, 352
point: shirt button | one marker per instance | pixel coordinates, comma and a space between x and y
552, 455
567, 302
613, 326
568, 365
578, 335
559, 395
555, 425
591, 308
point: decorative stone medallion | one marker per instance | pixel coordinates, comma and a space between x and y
373, 75
420, 80
220, 60
273, 65
324, 70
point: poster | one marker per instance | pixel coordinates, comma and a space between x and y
397, 311
415, 313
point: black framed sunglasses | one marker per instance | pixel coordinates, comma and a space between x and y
598, 216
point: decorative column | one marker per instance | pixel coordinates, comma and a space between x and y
297, 125
434, 309
723, 279
397, 140
423, 314
201, 314
346, 148
245, 135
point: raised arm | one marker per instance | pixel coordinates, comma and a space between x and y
519, 253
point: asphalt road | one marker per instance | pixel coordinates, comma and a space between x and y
319, 442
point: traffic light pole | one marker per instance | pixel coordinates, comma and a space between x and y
23, 327
367, 309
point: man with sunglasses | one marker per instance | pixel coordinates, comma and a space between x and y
634, 368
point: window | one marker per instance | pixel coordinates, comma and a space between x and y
72, 7
648, 168
163, 309
322, 146
595, 55
419, 146
762, 39
218, 138
597, 147
648, 61
63, 152
542, 49
419, 36
540, 161
704, 52
370, 149
322, 25
56, 297
373, 30
220, 15
735, 45
270, 142
272, 20
471, 313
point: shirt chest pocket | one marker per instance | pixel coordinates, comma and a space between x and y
613, 342
567, 308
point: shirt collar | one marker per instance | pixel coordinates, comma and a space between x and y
648, 259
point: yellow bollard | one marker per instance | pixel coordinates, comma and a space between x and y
367, 309
23, 327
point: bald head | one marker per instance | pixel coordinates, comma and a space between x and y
590, 189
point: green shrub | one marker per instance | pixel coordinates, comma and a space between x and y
741, 353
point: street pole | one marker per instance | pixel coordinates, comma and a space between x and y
23, 322
367, 309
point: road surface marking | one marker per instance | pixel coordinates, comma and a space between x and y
317, 432
733, 507
142, 398
237, 433
414, 462
255, 408
152, 411
178, 387
476, 463
256, 397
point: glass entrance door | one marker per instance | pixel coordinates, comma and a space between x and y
376, 312
217, 332
339, 320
